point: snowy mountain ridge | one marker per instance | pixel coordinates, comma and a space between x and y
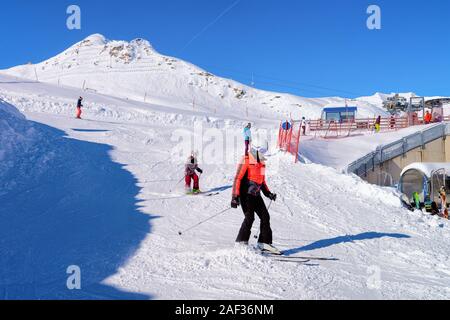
135, 70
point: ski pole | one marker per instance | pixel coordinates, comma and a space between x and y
176, 184
204, 221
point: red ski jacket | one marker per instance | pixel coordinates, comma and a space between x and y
254, 173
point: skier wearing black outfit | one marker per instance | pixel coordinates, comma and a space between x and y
248, 185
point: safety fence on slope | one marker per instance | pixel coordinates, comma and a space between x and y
338, 129
289, 137
291, 132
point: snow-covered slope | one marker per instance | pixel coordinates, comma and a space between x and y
106, 199
134, 70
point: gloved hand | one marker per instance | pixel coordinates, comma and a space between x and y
273, 197
235, 203
200, 170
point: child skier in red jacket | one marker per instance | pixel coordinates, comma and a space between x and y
191, 170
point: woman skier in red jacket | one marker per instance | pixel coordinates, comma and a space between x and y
250, 181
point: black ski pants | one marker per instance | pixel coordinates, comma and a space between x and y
251, 205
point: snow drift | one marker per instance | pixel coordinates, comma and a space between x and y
17, 138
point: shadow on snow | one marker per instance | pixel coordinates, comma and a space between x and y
80, 210
90, 130
220, 189
345, 239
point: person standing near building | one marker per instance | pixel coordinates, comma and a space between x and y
415, 118
304, 124
428, 117
416, 198
248, 137
378, 125
443, 197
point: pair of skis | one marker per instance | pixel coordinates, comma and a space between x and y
282, 257
174, 197
296, 259
204, 194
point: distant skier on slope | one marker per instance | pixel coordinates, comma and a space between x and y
250, 181
79, 106
247, 137
191, 169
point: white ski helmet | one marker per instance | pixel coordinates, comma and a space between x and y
260, 148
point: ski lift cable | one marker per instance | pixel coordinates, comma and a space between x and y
283, 82
209, 25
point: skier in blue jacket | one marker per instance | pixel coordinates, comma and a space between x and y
247, 137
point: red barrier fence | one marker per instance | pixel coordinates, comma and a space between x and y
289, 137
291, 131
336, 129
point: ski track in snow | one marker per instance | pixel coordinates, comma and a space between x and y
320, 212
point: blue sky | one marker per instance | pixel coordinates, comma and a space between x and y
306, 47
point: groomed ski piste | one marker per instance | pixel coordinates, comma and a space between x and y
101, 193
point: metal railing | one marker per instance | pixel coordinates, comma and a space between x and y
390, 151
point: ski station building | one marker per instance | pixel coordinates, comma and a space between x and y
339, 114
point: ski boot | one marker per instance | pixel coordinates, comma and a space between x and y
268, 248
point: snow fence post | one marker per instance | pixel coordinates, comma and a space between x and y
289, 147
284, 137
298, 143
